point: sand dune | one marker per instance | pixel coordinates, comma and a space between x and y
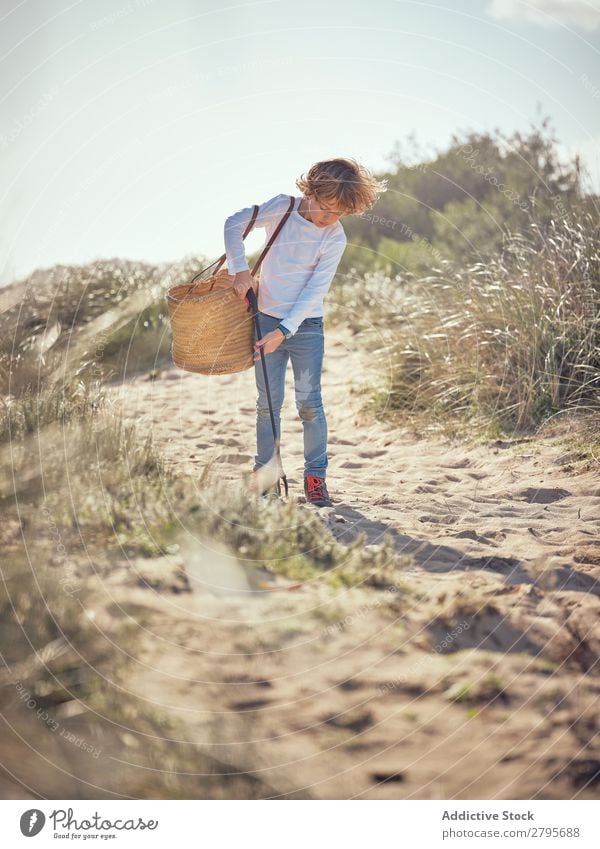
358, 693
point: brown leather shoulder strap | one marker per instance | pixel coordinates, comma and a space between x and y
274, 235
219, 262
252, 220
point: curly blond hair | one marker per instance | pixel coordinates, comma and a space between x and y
344, 181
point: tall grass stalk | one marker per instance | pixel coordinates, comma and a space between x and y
512, 341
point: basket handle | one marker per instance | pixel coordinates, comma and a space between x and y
219, 262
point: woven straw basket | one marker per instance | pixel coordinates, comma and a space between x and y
212, 328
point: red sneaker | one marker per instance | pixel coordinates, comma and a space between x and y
315, 490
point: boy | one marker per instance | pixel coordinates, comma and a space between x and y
294, 279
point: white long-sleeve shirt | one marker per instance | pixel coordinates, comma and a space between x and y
299, 268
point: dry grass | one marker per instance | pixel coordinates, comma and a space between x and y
72, 728
91, 518
105, 318
507, 344
84, 497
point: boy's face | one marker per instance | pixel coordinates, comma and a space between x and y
323, 212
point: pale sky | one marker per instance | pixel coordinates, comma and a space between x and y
132, 128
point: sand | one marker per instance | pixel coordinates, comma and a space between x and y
366, 693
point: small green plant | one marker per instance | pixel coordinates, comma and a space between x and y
490, 688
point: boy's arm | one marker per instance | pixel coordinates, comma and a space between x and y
269, 211
316, 286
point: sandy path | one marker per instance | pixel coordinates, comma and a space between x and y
343, 693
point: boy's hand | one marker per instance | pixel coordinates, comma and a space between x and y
241, 283
269, 343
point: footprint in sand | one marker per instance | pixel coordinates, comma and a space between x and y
469, 534
501, 534
387, 777
495, 564
350, 465
370, 455
446, 519
230, 441
250, 704
356, 721
504, 511
460, 464
236, 459
350, 684
383, 499
542, 495
244, 678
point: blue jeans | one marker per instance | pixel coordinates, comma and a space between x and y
305, 349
